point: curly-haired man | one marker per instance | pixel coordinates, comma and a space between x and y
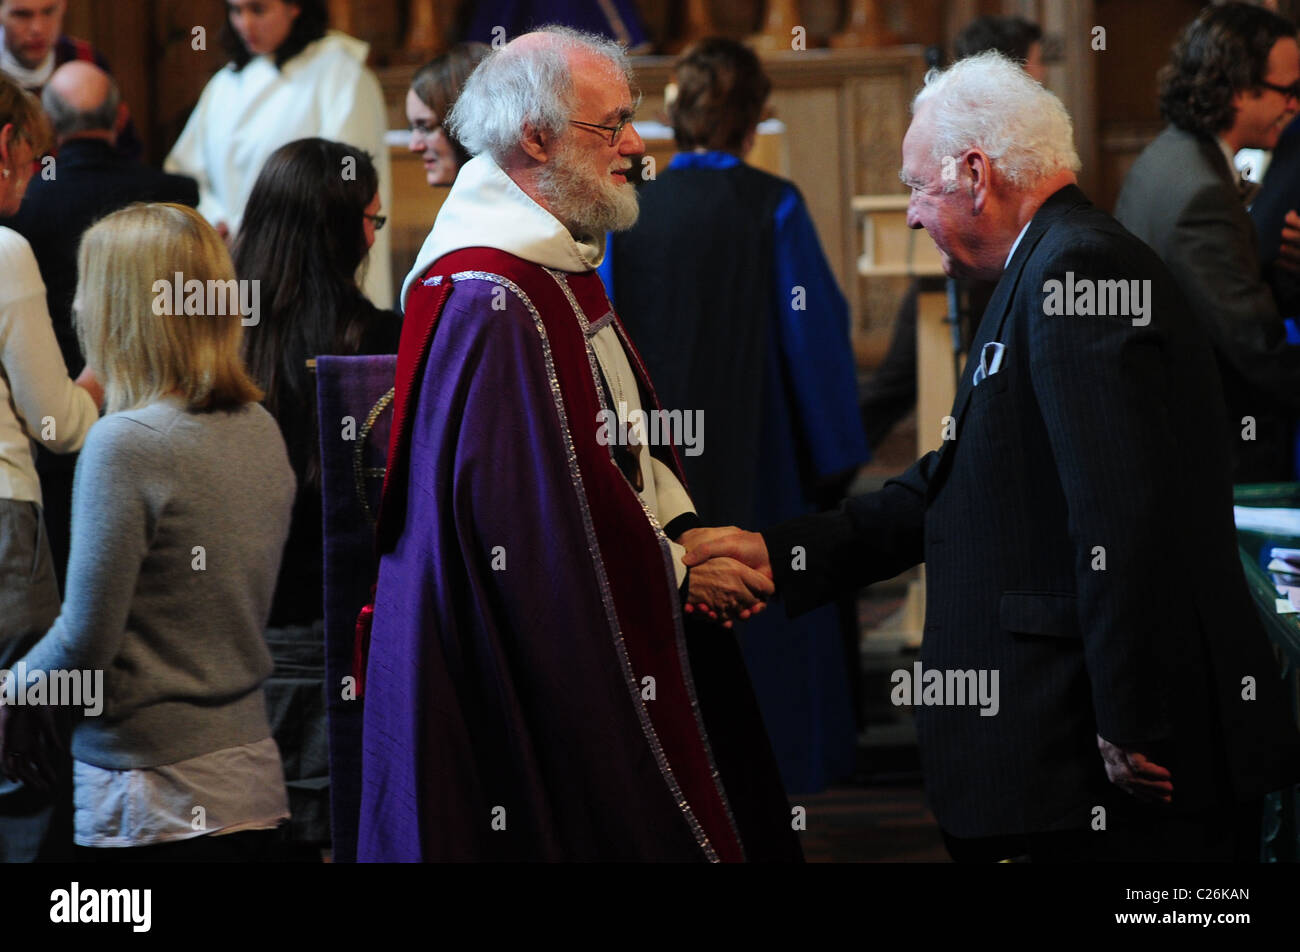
1232, 83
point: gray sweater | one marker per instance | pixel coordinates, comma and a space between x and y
178, 524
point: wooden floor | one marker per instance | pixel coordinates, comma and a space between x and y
871, 824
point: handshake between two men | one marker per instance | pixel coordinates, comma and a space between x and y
730, 573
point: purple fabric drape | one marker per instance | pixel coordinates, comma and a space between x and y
349, 394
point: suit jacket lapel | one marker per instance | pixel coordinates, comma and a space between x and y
999, 308
1243, 190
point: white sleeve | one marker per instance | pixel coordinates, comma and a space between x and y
52, 409
673, 502
672, 495
189, 156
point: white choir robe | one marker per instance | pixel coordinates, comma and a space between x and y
242, 117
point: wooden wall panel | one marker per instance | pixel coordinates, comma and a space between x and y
183, 71
122, 31
1127, 114
878, 114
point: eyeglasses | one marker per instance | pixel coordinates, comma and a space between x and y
614, 131
379, 221
1290, 92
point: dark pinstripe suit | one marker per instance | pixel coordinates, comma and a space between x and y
1094, 433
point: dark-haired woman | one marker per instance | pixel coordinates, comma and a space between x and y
288, 78
434, 90
306, 231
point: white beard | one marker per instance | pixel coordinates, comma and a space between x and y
569, 195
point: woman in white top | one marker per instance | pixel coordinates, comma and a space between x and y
37, 402
288, 78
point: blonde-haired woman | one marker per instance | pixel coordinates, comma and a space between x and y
180, 509
37, 402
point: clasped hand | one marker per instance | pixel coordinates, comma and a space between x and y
30, 745
1136, 773
731, 577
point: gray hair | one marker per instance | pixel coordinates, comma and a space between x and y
529, 86
68, 121
989, 102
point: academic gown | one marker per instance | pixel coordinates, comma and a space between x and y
243, 116
724, 288
533, 688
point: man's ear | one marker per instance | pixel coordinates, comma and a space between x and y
535, 144
980, 171
6, 143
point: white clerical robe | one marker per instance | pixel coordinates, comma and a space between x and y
243, 116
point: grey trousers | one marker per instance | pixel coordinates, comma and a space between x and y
29, 604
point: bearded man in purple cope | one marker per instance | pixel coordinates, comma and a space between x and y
534, 689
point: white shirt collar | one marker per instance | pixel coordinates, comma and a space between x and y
1012, 252
27, 78
485, 208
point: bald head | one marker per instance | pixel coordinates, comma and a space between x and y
82, 102
536, 41
82, 86
581, 52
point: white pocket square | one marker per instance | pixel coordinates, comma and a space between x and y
990, 361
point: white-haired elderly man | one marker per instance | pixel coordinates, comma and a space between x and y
535, 689
1083, 691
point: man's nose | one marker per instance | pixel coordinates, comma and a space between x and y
913, 219
631, 144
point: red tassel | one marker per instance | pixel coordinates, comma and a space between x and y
361, 644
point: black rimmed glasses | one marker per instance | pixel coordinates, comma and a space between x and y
379, 221
1290, 92
614, 131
